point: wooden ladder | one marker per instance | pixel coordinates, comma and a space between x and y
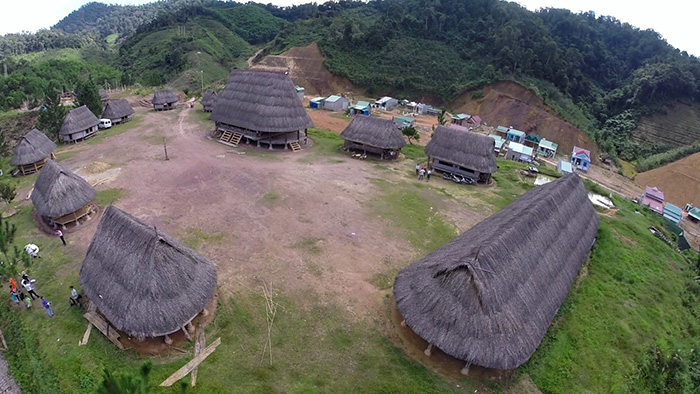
236, 138
226, 136
295, 146
104, 327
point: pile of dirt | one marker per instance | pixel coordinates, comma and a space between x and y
305, 65
510, 104
680, 180
678, 125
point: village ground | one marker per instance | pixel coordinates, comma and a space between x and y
326, 232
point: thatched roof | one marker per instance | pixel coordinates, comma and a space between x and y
78, 119
377, 132
118, 109
467, 149
262, 101
58, 191
209, 98
144, 282
104, 95
489, 295
33, 147
167, 96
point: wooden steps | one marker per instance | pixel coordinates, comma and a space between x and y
236, 138
295, 146
104, 327
230, 138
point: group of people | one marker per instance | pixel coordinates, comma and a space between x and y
19, 296
423, 172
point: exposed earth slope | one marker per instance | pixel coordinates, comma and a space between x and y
680, 180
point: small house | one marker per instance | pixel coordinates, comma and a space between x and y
336, 103
104, 96
361, 108
515, 135
581, 158
654, 199
499, 143
694, 215
547, 148
208, 100
374, 135
460, 119
316, 102
32, 152
519, 152
142, 282
673, 213
489, 296
474, 120
78, 125
404, 121
564, 167
300, 92
532, 140
468, 154
60, 196
118, 111
386, 102
164, 100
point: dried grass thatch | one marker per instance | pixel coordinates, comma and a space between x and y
58, 191
466, 149
264, 101
144, 282
104, 95
33, 147
118, 109
209, 98
78, 119
489, 295
376, 132
167, 96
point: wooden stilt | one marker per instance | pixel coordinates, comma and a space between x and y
429, 350
403, 323
465, 370
168, 340
190, 327
187, 334
86, 336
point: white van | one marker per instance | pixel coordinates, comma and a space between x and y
105, 123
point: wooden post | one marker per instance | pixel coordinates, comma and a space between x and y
429, 350
2, 337
165, 148
403, 323
465, 370
168, 340
187, 334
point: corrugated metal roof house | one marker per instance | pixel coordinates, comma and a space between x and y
654, 199
673, 213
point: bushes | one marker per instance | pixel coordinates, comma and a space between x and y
664, 158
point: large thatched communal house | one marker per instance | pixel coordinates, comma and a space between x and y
262, 107
142, 282
60, 196
78, 125
164, 100
32, 151
118, 111
462, 152
489, 295
208, 100
374, 135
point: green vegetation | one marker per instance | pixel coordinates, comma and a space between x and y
414, 152
661, 159
411, 133
51, 117
87, 94
109, 196
628, 169
196, 237
118, 129
325, 143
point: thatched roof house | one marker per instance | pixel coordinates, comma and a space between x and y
164, 100
208, 100
376, 135
78, 125
32, 151
104, 95
489, 295
118, 111
261, 106
144, 282
466, 153
61, 196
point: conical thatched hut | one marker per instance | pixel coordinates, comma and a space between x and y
145, 283
374, 135
208, 100
462, 152
32, 151
60, 196
489, 295
78, 125
260, 106
164, 100
118, 111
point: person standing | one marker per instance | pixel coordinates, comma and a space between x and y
47, 306
428, 174
421, 174
28, 302
417, 168
27, 283
74, 297
13, 293
59, 234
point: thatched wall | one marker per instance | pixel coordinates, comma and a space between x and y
208, 100
464, 148
263, 101
33, 147
163, 97
146, 283
77, 120
489, 295
377, 132
118, 109
59, 192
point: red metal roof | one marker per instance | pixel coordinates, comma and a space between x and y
578, 151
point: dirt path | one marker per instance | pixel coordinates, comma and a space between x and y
250, 59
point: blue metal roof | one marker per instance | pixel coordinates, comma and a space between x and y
565, 167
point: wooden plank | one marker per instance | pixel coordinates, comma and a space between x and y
104, 328
198, 346
86, 336
187, 368
4, 344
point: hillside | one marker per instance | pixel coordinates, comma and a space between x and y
677, 125
680, 180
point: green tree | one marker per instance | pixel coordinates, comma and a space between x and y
8, 192
88, 94
51, 115
442, 117
126, 383
410, 132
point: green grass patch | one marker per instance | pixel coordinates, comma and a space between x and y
195, 237
109, 196
628, 169
116, 130
326, 143
384, 280
310, 245
414, 152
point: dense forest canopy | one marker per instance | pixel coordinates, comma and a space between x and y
612, 72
